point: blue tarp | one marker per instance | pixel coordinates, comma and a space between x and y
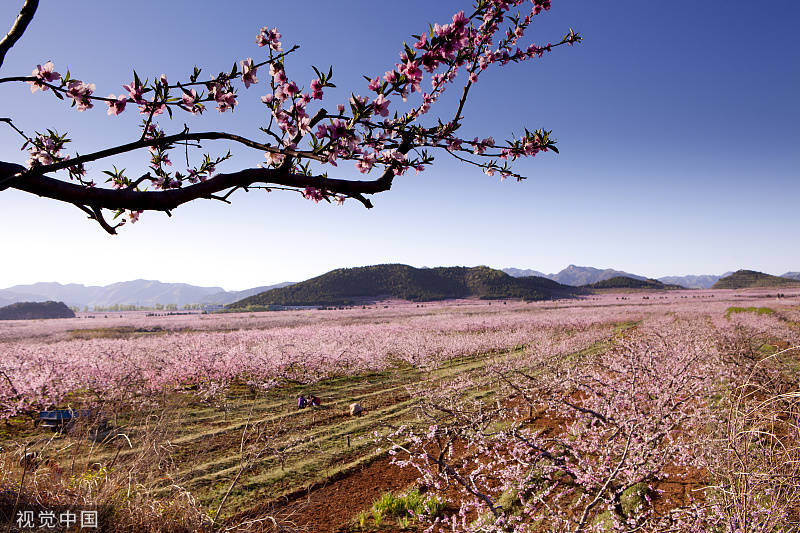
62, 415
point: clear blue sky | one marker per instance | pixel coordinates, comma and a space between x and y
677, 124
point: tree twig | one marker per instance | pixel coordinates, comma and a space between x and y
23, 19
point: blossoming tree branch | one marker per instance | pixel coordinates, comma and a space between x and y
385, 132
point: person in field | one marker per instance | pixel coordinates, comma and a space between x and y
313, 401
301, 402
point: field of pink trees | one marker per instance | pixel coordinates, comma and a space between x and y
673, 411
208, 352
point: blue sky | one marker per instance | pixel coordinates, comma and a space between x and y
676, 123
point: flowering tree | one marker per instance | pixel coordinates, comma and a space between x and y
384, 134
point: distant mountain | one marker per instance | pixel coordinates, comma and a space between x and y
35, 310
575, 276
8, 297
703, 281
138, 292
578, 275
742, 279
228, 297
525, 272
346, 286
791, 275
622, 282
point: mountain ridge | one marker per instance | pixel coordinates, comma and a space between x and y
579, 276
624, 282
573, 275
147, 293
745, 279
351, 286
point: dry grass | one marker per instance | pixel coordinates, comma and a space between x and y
758, 470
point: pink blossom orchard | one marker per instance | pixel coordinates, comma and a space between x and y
635, 396
381, 129
648, 411
40, 372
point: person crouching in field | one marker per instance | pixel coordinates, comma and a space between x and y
311, 401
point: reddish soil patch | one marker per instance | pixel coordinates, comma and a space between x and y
683, 487
331, 507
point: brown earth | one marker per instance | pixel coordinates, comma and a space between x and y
333, 506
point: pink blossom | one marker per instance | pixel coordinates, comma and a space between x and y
80, 93
337, 129
274, 158
135, 93
190, 102
316, 89
270, 37
248, 72
226, 101
304, 125
290, 89
44, 151
460, 20
313, 194
381, 105
117, 106
152, 107
278, 74
412, 72
223, 95
43, 74
366, 163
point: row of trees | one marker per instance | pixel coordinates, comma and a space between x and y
131, 307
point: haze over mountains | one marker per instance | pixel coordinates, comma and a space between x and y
138, 292
581, 275
148, 293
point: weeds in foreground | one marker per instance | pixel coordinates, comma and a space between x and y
404, 507
759, 469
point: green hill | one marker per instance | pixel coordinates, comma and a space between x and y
348, 286
743, 279
623, 282
35, 310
